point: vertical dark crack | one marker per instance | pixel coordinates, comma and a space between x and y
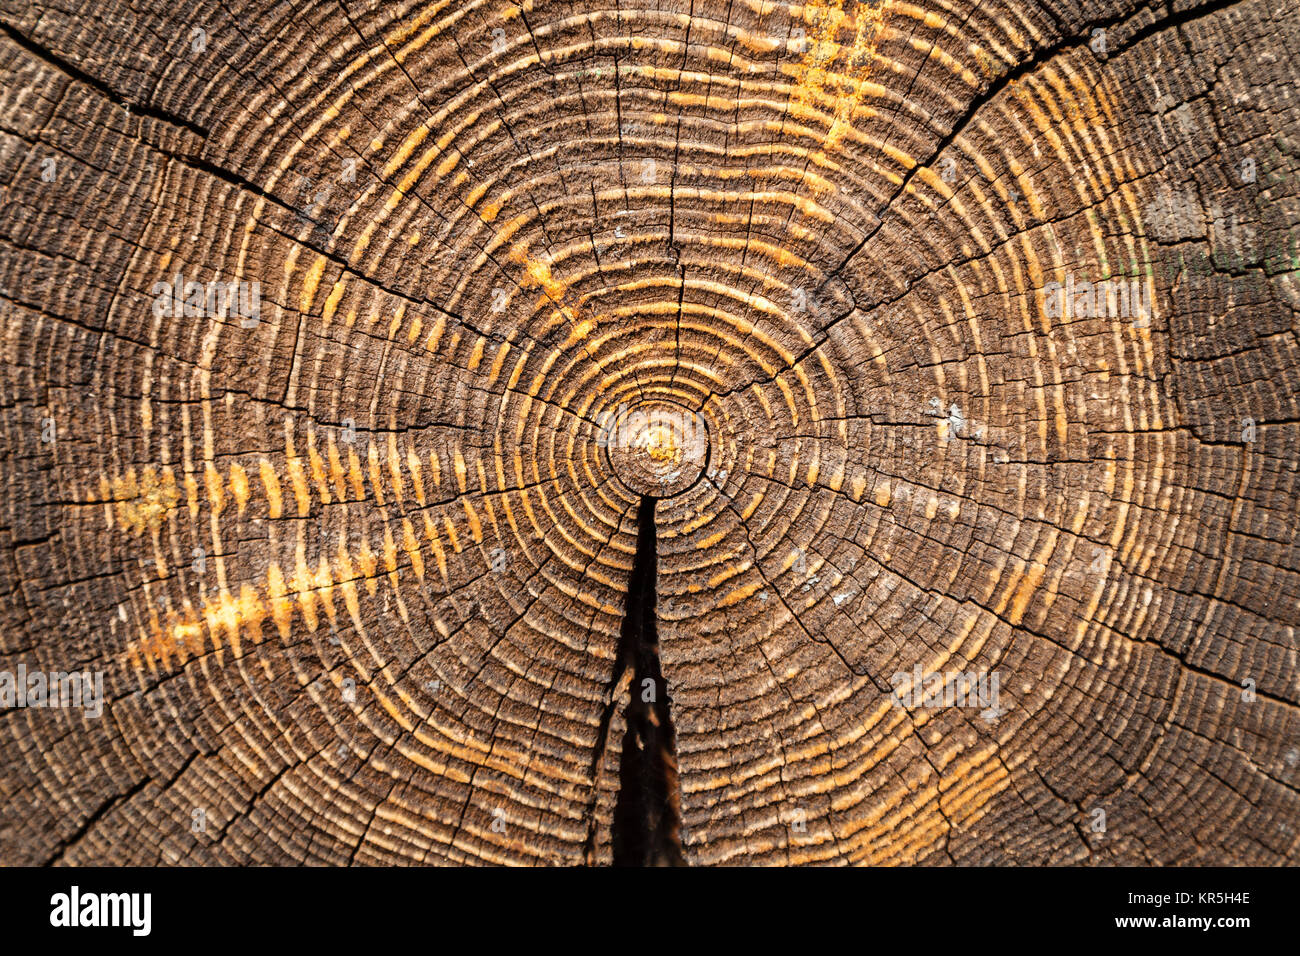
647, 816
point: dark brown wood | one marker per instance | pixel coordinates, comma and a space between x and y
352, 556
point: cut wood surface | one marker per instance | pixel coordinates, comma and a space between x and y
584, 433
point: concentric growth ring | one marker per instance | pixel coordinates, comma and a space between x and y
344, 369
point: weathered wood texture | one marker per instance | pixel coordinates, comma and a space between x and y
356, 573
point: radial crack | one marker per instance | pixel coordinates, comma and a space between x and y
647, 816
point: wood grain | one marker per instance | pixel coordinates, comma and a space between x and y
756, 297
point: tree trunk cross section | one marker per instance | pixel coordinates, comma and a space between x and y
638, 433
